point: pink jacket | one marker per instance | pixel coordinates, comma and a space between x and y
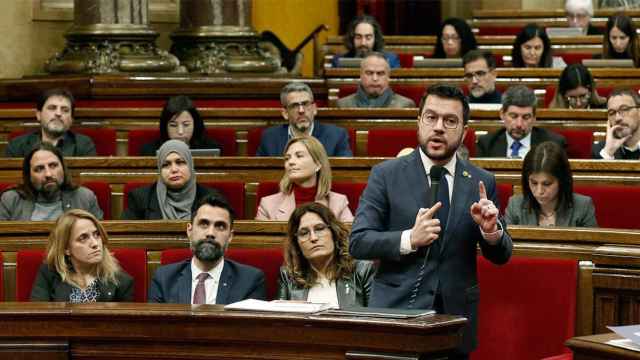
280, 206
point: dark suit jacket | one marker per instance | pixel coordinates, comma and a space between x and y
396, 190
172, 283
48, 286
334, 139
352, 291
620, 154
495, 144
72, 144
142, 203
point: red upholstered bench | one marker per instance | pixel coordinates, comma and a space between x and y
103, 138
527, 308
232, 190
388, 142
133, 261
137, 138
608, 200
505, 191
268, 260
351, 190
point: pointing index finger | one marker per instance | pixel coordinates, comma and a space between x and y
483, 190
432, 211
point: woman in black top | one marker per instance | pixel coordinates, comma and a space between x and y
180, 120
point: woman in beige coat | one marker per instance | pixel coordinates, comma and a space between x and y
307, 178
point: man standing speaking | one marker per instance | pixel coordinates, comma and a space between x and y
422, 216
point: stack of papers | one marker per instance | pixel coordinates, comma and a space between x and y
379, 312
631, 334
300, 307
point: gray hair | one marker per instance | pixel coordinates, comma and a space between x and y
520, 96
295, 86
578, 6
376, 54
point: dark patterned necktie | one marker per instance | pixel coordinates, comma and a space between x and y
200, 295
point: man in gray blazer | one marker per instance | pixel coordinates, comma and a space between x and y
373, 90
207, 277
427, 255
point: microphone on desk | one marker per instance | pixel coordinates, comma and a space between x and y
435, 174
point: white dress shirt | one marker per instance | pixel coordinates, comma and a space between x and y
211, 284
324, 291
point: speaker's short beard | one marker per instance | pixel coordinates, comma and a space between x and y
208, 250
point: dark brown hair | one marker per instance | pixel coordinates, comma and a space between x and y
298, 266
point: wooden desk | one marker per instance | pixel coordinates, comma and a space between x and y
163, 331
595, 347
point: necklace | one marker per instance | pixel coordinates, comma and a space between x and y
553, 213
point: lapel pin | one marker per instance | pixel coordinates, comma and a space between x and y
466, 174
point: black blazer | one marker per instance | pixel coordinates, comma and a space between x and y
172, 283
49, 287
142, 203
352, 291
150, 149
495, 144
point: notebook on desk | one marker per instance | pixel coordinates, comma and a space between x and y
359, 311
349, 62
608, 63
422, 62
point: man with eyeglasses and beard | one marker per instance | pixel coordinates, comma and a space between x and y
55, 108
623, 123
208, 278
426, 236
480, 75
46, 190
299, 109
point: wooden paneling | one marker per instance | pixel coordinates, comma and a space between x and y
169, 331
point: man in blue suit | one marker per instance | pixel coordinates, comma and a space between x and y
208, 278
299, 109
427, 254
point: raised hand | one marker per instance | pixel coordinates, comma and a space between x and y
426, 228
616, 137
484, 212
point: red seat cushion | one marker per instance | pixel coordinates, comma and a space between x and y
268, 260
526, 299
499, 30
608, 200
133, 261
103, 138
575, 58
406, 60
351, 190
137, 138
233, 191
103, 194
505, 191
579, 143
253, 140
27, 264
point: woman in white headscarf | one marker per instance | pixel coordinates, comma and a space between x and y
174, 194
